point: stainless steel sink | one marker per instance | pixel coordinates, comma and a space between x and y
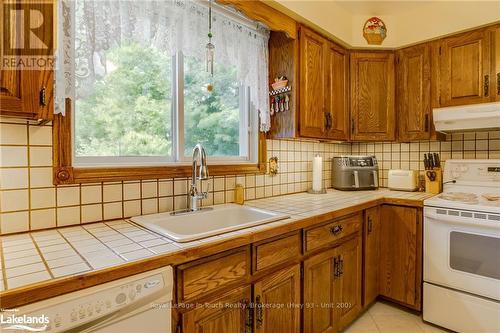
190, 226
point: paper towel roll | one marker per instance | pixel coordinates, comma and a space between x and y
317, 184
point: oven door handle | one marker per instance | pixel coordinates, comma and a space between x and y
432, 217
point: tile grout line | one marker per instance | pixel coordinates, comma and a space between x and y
41, 256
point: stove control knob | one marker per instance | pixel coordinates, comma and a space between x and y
131, 294
57, 320
108, 303
73, 315
120, 298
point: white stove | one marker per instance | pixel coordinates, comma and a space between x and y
462, 248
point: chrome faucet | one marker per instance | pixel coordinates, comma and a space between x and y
200, 174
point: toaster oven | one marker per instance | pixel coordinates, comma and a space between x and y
351, 173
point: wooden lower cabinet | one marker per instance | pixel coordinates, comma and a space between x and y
217, 317
332, 288
401, 255
371, 252
277, 302
347, 285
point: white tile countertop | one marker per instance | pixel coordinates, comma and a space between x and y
38, 256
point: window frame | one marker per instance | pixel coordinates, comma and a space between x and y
248, 126
65, 173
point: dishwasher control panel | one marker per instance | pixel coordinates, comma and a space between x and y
83, 307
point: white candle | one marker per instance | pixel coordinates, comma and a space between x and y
317, 184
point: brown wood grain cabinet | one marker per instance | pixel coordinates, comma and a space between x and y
28, 93
373, 115
323, 111
347, 284
371, 251
413, 77
277, 299
312, 84
332, 287
319, 272
496, 61
337, 92
465, 68
400, 270
217, 317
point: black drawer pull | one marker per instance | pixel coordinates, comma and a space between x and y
336, 229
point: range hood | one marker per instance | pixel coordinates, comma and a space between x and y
467, 117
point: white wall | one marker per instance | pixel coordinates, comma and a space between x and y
408, 22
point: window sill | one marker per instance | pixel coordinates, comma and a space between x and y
70, 175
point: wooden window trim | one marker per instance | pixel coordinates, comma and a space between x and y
65, 173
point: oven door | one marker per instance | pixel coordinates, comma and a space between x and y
462, 251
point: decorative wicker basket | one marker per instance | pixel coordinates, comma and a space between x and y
374, 31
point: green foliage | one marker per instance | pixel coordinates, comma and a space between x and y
128, 112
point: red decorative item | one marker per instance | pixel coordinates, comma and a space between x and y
374, 31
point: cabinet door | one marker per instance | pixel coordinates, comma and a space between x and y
318, 289
414, 93
275, 296
400, 254
28, 93
496, 61
372, 96
336, 97
465, 68
371, 249
312, 84
347, 284
217, 317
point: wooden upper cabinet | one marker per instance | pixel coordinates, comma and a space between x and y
312, 84
413, 68
372, 96
28, 93
337, 96
283, 288
496, 61
465, 64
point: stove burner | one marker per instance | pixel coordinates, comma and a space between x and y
469, 198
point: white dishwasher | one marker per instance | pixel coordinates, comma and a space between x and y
139, 303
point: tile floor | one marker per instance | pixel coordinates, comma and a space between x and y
387, 318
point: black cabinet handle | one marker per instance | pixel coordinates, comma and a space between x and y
258, 306
498, 83
352, 125
248, 316
426, 123
341, 266
486, 85
43, 97
336, 271
336, 229
370, 225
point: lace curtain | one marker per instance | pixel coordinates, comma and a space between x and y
89, 28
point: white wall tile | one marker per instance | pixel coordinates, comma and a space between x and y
14, 200
68, 196
43, 218
13, 134
91, 213
68, 216
131, 191
13, 156
14, 222
40, 135
43, 198
112, 192
91, 194
41, 177
12, 178
40, 156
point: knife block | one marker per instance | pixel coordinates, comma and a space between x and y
434, 186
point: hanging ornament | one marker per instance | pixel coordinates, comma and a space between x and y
210, 47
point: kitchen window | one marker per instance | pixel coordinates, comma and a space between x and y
135, 76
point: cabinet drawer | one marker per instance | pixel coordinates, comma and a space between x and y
331, 232
209, 274
276, 251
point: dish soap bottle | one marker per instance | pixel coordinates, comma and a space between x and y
239, 194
